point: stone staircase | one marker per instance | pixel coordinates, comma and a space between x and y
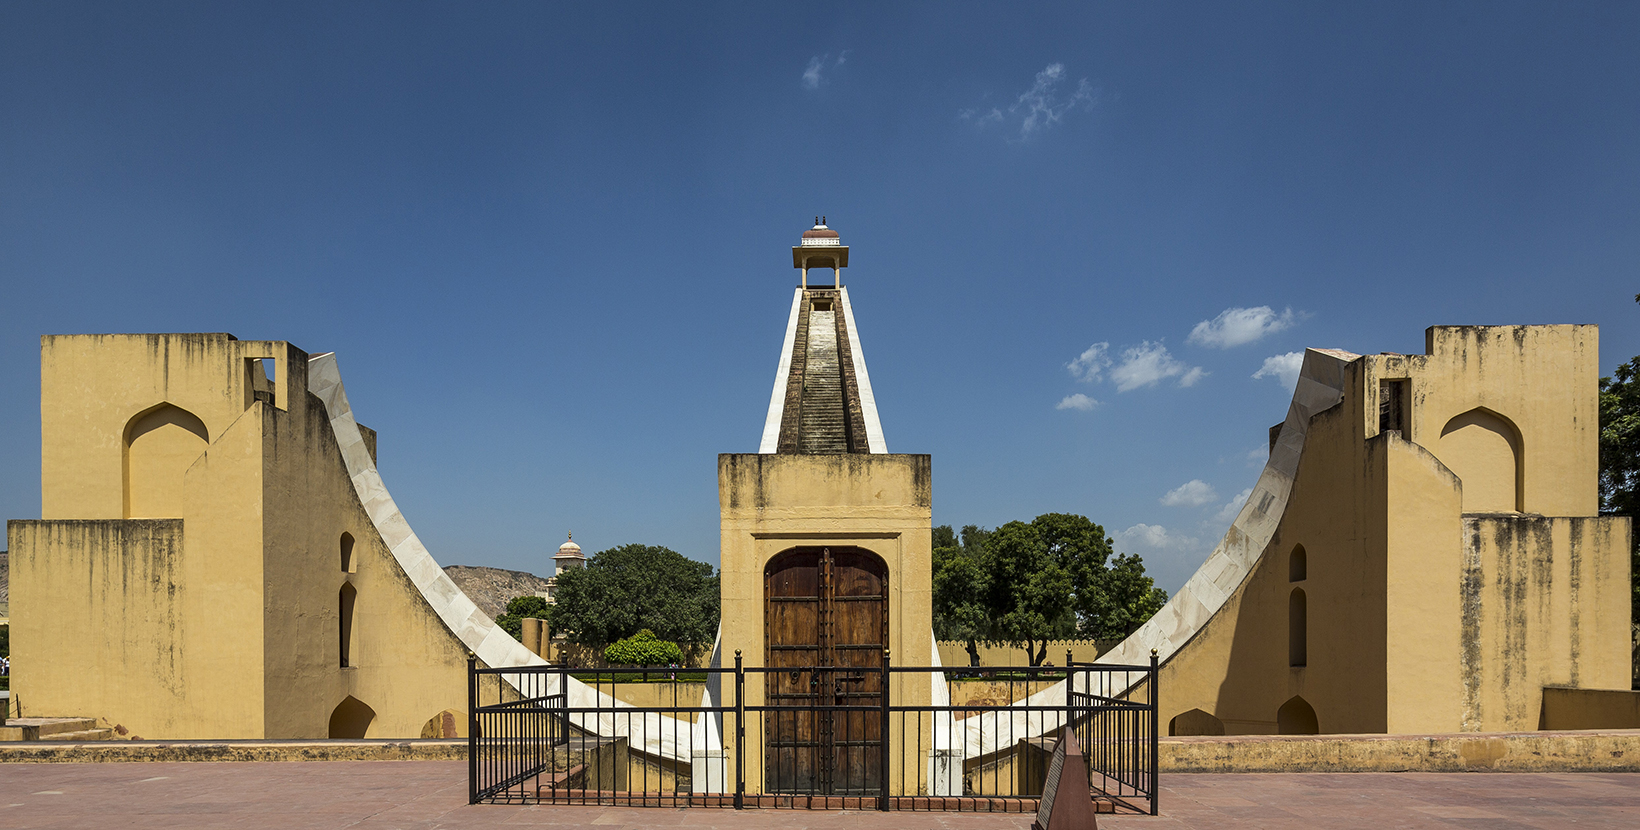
54, 729
822, 424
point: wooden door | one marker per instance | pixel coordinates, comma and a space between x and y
826, 625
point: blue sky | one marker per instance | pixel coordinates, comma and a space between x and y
549, 242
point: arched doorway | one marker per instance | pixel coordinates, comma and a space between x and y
825, 628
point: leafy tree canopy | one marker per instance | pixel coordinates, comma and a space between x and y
1026, 583
1620, 457
626, 589
643, 649
520, 609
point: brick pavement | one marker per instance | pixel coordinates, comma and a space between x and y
432, 794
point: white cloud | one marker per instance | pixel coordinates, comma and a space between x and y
1193, 493
1041, 106
976, 115
1258, 456
1148, 364
1236, 326
1228, 512
1284, 367
1078, 402
1154, 537
1088, 366
814, 75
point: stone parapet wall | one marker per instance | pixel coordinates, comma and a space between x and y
1602, 751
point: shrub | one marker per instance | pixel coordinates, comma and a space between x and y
643, 649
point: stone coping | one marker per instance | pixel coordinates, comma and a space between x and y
36, 752
1616, 750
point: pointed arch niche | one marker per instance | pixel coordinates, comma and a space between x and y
351, 719
161, 442
1195, 722
1297, 717
1483, 449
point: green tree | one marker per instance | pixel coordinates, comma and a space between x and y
1024, 584
960, 585
1121, 601
643, 649
626, 589
1031, 594
520, 609
1620, 468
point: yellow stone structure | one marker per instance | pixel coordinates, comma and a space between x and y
824, 485
1423, 553
205, 565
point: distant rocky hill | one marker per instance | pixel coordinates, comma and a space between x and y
491, 588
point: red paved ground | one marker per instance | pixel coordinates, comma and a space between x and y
432, 794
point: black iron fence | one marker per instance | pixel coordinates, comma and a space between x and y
886, 738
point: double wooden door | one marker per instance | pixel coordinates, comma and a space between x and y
826, 626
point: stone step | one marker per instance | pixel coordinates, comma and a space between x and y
85, 735
35, 729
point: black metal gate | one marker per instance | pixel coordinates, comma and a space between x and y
528, 744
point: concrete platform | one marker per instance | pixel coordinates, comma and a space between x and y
432, 794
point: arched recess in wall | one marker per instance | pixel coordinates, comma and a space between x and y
1297, 717
1195, 722
446, 724
161, 442
1483, 449
351, 719
345, 600
1298, 623
1298, 566
349, 564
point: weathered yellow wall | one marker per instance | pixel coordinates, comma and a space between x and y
771, 503
1423, 569
254, 568
1543, 379
1546, 603
93, 386
107, 621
